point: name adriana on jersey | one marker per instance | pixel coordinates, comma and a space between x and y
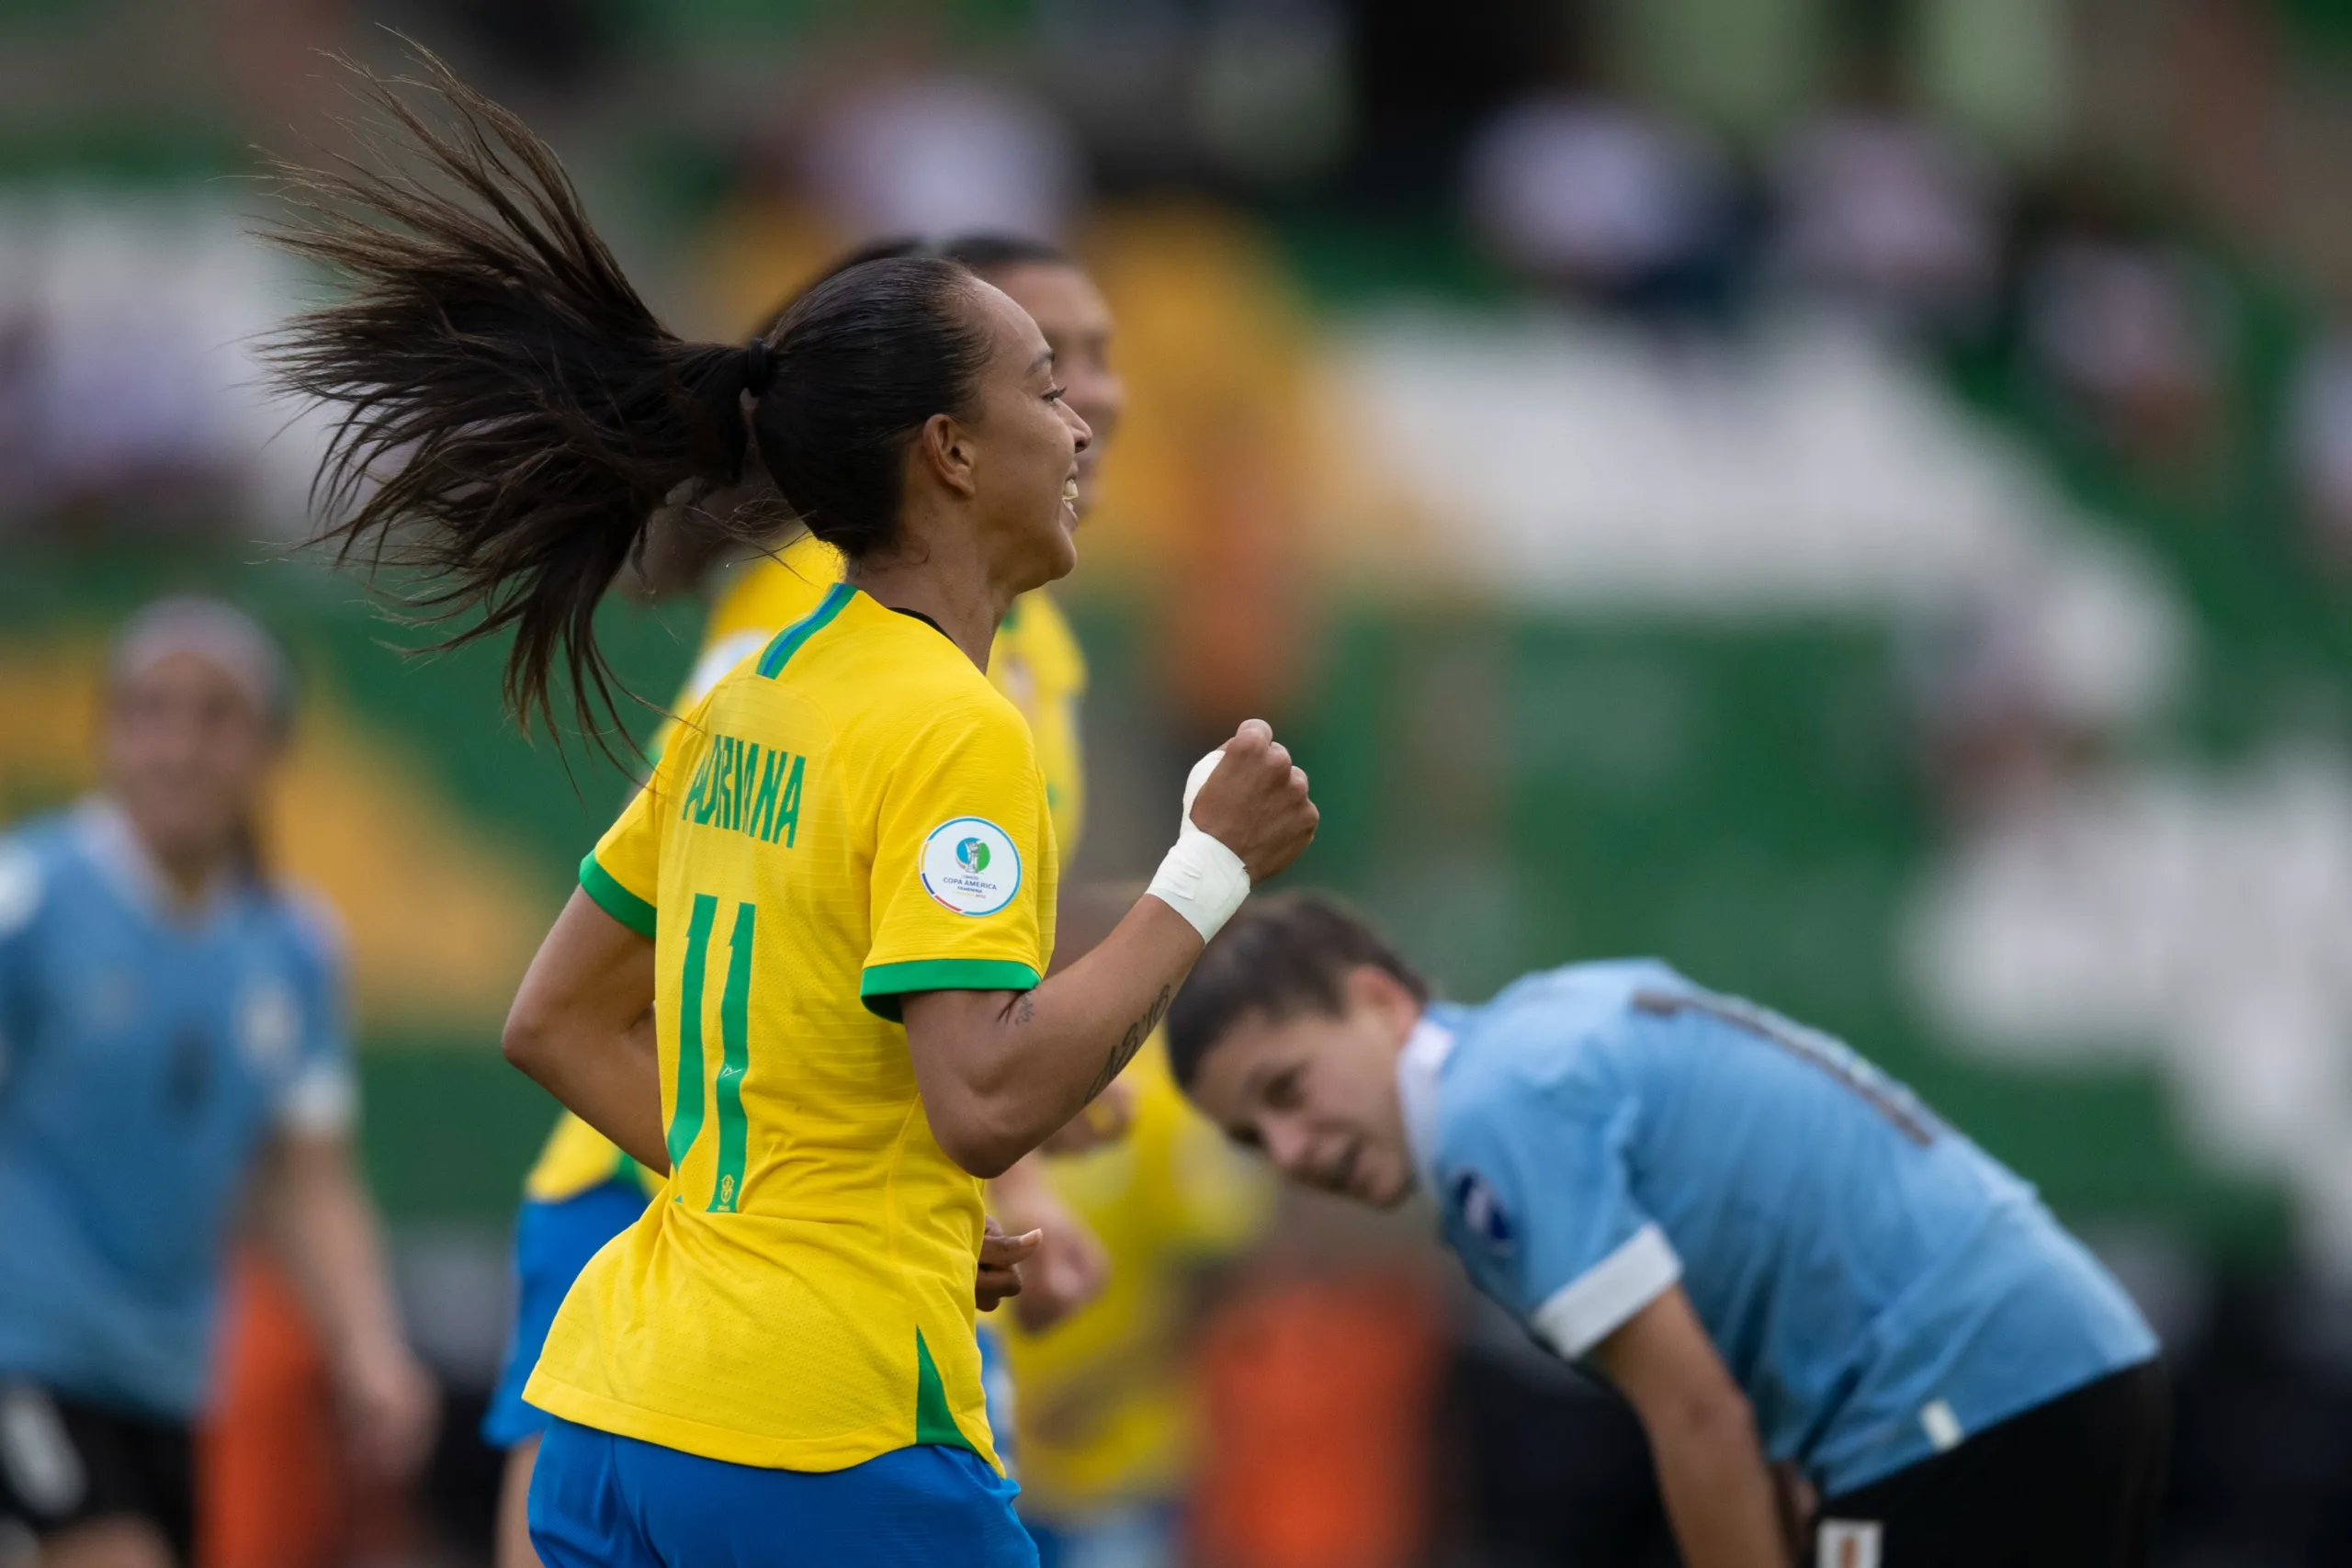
745, 790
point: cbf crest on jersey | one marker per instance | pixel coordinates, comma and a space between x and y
969, 864
1480, 1209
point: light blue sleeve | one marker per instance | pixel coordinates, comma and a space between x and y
1538, 1202
320, 1097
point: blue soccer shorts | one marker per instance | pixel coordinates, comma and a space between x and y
602, 1501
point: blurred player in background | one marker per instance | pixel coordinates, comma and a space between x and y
583, 1191
1775, 1252
1106, 1406
172, 1043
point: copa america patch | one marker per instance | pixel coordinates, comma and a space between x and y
1481, 1210
969, 864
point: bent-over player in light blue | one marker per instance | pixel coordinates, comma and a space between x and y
1776, 1252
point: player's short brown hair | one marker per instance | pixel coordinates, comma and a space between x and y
1280, 956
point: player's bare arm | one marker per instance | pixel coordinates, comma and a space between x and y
1002, 1071
312, 1213
582, 1027
1717, 1484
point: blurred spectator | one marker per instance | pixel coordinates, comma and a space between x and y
2319, 445
2126, 327
20, 356
919, 153
1271, 98
882, 145
2037, 680
1886, 213
1603, 199
128, 391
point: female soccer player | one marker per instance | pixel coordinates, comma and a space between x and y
583, 1190
802, 973
171, 1034
1773, 1250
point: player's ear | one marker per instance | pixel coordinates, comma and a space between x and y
1370, 989
944, 448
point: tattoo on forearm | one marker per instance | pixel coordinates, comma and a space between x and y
1131, 1041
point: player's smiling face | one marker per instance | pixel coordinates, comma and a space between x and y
1028, 441
1318, 1091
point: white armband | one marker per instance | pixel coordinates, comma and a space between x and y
1201, 879
322, 1102
1597, 1302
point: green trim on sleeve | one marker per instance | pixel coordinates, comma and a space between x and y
614, 900
884, 984
788, 642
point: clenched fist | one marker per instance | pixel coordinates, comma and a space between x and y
1255, 802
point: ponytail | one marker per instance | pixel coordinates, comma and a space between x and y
512, 414
516, 409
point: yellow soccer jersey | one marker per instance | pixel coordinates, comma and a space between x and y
1037, 662
758, 598
1104, 1410
854, 815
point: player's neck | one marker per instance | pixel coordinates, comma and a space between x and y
190, 881
184, 878
191, 874
950, 594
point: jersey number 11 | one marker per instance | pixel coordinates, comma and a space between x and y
734, 1027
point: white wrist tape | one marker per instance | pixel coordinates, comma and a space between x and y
1201, 879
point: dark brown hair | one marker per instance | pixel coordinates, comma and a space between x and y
1281, 956
512, 414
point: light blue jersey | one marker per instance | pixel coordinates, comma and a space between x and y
1879, 1286
145, 1057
